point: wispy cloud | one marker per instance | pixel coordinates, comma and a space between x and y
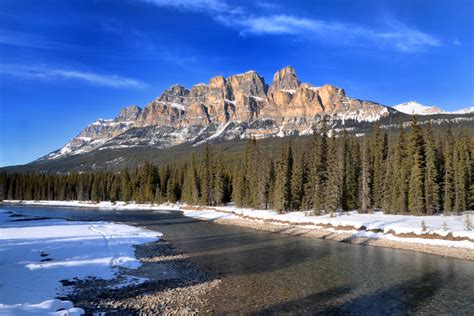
391, 34
207, 6
31, 40
47, 73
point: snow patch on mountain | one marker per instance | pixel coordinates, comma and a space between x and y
414, 107
465, 110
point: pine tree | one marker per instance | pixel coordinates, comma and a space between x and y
432, 198
207, 194
297, 184
312, 168
171, 190
461, 161
252, 159
191, 185
282, 198
219, 189
332, 190
95, 193
416, 159
448, 184
378, 167
239, 191
416, 201
364, 186
115, 190
321, 176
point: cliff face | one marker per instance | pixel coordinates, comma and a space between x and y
241, 105
246, 97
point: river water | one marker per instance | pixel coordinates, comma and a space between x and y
267, 273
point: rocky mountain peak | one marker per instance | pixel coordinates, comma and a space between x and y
249, 83
286, 79
240, 106
176, 94
128, 114
217, 82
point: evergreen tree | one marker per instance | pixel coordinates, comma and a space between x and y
416, 159
319, 203
207, 194
378, 168
282, 199
432, 198
332, 190
448, 185
297, 184
191, 185
462, 163
364, 186
219, 189
239, 191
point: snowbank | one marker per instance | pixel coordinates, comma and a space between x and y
50, 307
37, 254
447, 231
101, 205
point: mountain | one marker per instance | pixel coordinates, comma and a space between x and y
465, 110
240, 106
228, 111
413, 108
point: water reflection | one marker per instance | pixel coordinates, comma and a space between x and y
267, 273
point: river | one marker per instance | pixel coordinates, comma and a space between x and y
267, 273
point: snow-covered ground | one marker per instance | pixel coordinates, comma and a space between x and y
36, 254
376, 225
100, 205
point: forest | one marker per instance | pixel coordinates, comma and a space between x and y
411, 172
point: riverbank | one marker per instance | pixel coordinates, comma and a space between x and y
439, 235
171, 285
370, 230
100, 266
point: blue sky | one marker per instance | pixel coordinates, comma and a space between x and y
64, 64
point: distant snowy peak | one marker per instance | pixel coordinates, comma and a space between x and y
465, 111
414, 107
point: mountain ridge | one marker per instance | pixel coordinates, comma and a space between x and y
239, 106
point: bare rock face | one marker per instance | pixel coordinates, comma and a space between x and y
175, 94
247, 92
332, 98
286, 79
129, 114
241, 105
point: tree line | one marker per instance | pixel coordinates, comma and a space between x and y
413, 172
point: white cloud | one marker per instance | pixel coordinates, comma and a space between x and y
456, 42
45, 73
214, 6
30, 40
391, 34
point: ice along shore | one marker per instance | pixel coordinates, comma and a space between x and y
63, 267
450, 236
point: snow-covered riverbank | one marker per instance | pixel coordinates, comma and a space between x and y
452, 231
41, 258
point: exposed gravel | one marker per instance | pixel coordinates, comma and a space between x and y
174, 286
